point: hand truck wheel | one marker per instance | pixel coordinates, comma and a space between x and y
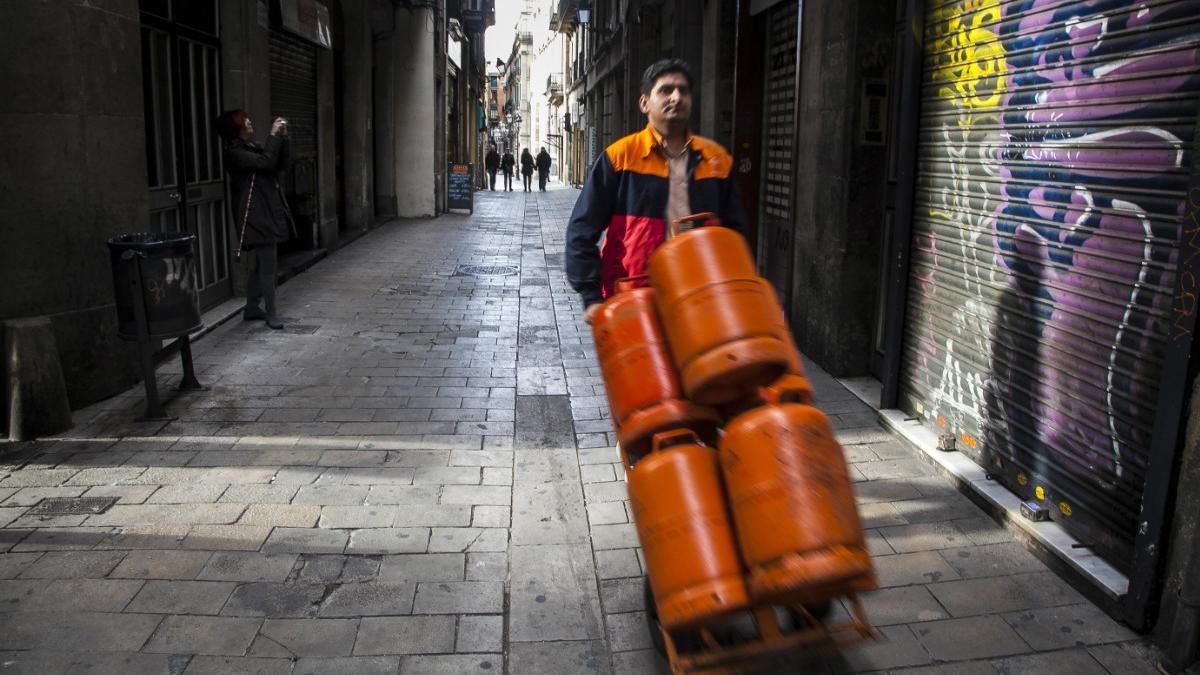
818, 610
685, 640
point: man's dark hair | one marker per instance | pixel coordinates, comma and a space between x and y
665, 67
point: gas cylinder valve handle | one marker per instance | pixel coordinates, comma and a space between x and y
666, 439
784, 392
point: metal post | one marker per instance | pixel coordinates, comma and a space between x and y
189, 381
154, 409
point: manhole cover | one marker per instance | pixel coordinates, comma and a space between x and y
485, 270
72, 506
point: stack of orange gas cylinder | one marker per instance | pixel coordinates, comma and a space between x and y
740, 491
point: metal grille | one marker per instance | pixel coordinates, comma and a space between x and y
294, 97
72, 506
779, 124
1055, 140
485, 270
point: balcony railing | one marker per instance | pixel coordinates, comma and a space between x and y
554, 89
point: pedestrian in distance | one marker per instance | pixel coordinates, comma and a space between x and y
642, 183
491, 162
260, 211
527, 169
506, 167
543, 169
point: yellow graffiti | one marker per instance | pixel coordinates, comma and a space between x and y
969, 63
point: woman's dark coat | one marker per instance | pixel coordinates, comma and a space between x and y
268, 220
507, 164
526, 164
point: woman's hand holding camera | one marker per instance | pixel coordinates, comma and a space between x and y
279, 127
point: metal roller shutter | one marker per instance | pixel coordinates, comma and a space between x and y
777, 216
294, 96
1054, 156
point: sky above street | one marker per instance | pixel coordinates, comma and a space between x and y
498, 39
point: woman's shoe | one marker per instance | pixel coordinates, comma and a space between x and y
273, 322
253, 314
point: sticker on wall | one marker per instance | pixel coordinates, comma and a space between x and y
1065, 509
1039, 492
1022, 479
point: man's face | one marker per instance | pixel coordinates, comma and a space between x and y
670, 102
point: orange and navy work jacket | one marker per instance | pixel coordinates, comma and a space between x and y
625, 199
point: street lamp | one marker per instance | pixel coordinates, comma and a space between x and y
585, 11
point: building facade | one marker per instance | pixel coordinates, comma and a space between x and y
119, 110
518, 82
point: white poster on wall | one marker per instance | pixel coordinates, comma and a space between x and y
307, 18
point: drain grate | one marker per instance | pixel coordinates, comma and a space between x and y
72, 506
485, 270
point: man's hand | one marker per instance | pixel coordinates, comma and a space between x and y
590, 313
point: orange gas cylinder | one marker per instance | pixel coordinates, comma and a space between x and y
789, 489
683, 525
639, 378
793, 380
717, 317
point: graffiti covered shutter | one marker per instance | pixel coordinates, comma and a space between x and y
1054, 152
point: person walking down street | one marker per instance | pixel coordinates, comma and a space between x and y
543, 169
527, 169
261, 217
491, 162
643, 182
506, 167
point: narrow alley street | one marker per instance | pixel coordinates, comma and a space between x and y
418, 476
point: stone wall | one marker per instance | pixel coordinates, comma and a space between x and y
73, 174
839, 187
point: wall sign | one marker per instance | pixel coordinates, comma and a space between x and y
307, 18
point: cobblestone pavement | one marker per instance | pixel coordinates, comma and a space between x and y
417, 476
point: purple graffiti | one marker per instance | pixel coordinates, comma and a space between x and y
1093, 183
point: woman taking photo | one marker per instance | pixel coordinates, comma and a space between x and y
261, 217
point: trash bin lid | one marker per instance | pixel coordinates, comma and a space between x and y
150, 240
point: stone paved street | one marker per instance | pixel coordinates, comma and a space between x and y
418, 476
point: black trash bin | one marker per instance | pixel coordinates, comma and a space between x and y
167, 271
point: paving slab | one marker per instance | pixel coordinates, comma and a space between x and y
181, 597
405, 635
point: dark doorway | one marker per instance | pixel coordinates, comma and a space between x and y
181, 84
